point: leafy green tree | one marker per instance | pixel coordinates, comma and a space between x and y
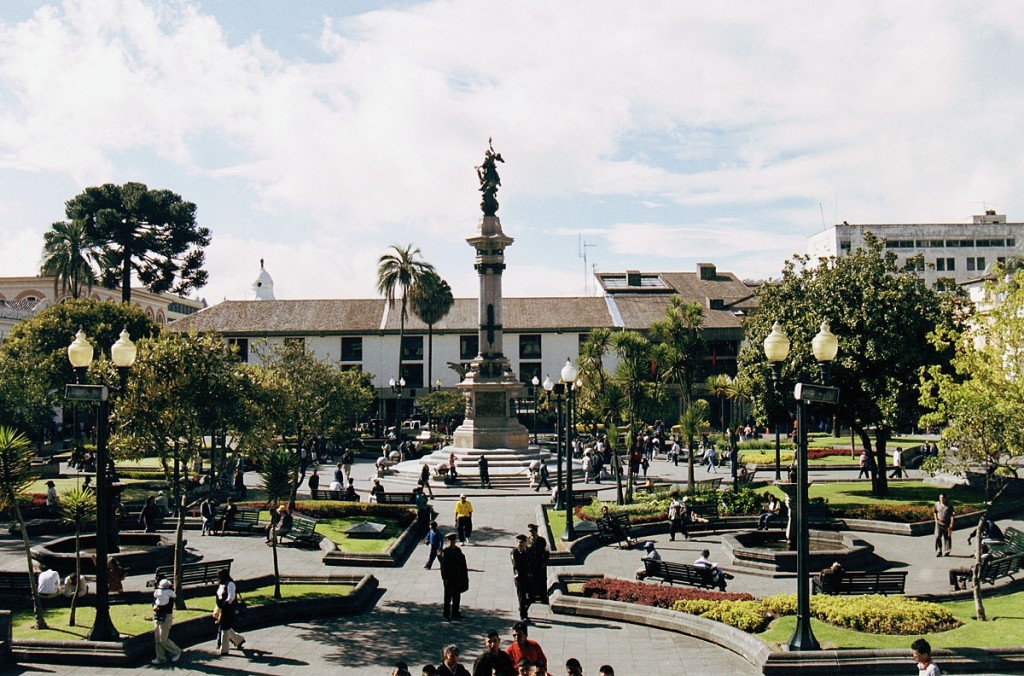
681, 333
311, 398
979, 403
690, 424
77, 507
882, 316
15, 477
278, 470
179, 383
720, 386
431, 299
398, 272
34, 366
152, 233
632, 372
67, 256
443, 404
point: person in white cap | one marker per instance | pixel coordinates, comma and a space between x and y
651, 555
163, 620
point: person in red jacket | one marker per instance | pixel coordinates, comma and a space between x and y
524, 647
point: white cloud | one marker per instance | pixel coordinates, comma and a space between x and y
617, 118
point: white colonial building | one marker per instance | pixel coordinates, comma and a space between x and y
540, 334
946, 254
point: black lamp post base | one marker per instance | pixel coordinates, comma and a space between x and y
103, 628
803, 638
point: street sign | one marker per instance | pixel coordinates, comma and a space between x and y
816, 393
85, 392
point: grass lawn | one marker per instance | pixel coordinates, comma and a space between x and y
136, 619
913, 492
556, 521
334, 530
135, 489
1005, 627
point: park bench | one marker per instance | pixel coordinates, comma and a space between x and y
15, 582
707, 511
817, 515
861, 582
706, 486
683, 573
1013, 543
745, 480
198, 574
396, 498
999, 567
584, 496
303, 531
247, 520
323, 494
130, 513
616, 529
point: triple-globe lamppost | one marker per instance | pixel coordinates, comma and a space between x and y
536, 386
569, 373
825, 346
80, 353
398, 388
557, 389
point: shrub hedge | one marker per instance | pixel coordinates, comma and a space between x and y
874, 614
901, 513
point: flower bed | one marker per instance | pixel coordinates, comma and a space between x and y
894, 615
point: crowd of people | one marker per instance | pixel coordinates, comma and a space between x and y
522, 657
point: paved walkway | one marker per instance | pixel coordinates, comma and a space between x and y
405, 623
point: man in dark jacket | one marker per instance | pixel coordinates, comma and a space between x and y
454, 575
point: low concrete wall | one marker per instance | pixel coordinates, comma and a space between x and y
136, 649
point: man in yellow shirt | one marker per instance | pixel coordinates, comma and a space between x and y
464, 518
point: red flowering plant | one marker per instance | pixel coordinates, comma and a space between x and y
658, 596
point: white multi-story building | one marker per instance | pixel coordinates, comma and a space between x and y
945, 254
540, 334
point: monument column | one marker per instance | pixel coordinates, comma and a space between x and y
490, 385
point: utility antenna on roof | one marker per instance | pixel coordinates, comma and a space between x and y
822, 210
581, 247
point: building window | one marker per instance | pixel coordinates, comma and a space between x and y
945, 264
469, 347
352, 349
413, 374
844, 245
412, 349
295, 341
899, 244
945, 284
975, 263
959, 242
527, 370
242, 347
529, 346
915, 264
351, 367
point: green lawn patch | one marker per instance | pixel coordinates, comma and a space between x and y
1004, 628
135, 619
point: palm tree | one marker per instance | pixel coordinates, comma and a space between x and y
720, 385
15, 477
399, 271
67, 256
278, 469
682, 332
634, 351
431, 300
690, 425
76, 507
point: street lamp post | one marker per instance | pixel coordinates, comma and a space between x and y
558, 389
569, 373
536, 384
825, 346
123, 354
397, 389
776, 348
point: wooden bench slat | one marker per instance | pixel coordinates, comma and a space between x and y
863, 582
198, 573
684, 573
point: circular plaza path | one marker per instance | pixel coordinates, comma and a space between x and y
405, 623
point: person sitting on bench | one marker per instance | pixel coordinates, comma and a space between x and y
771, 512
614, 528
377, 490
718, 576
350, 491
280, 526
49, 584
651, 555
830, 578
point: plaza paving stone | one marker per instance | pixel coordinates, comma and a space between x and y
406, 621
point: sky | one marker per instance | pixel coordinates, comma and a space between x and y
653, 136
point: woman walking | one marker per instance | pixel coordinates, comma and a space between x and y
163, 620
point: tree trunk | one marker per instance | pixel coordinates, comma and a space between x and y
78, 572
179, 529
689, 464
880, 482
277, 572
979, 607
126, 276
37, 605
430, 357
